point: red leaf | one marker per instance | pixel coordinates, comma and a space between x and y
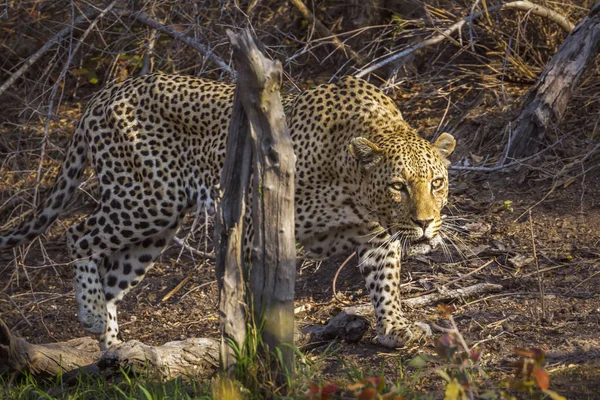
475, 354
328, 390
542, 378
314, 389
367, 394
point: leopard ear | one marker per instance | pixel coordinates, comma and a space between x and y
365, 152
445, 145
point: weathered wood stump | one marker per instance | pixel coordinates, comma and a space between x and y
258, 141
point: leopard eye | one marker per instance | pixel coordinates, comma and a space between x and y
437, 183
398, 186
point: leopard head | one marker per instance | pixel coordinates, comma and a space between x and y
404, 182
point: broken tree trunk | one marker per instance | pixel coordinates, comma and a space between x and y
547, 100
273, 272
229, 233
191, 357
257, 132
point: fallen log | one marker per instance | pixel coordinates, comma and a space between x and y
547, 101
191, 357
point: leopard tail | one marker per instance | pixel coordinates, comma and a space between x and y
66, 183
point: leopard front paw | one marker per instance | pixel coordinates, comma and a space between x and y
422, 248
92, 318
405, 334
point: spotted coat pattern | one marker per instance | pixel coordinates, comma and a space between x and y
365, 181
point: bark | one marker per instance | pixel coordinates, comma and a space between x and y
273, 255
547, 101
229, 233
191, 357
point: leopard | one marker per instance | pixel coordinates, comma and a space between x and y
365, 181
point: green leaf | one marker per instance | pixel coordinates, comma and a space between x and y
444, 375
452, 391
417, 362
146, 392
489, 395
554, 396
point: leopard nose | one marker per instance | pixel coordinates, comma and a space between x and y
423, 223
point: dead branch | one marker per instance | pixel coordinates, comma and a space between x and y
136, 16
446, 294
516, 5
324, 32
52, 359
192, 250
335, 277
547, 101
190, 357
54, 40
229, 231
146, 20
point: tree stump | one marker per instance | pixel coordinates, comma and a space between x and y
257, 130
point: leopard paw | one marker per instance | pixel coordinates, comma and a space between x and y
422, 248
91, 320
401, 336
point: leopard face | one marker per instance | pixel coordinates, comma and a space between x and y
405, 182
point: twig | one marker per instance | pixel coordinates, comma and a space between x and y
540, 271
193, 250
148, 65
463, 342
146, 20
500, 167
452, 282
55, 39
452, 294
176, 288
583, 281
537, 268
337, 273
421, 301
325, 32
192, 290
564, 23
18, 309
558, 182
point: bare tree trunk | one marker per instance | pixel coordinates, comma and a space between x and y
229, 234
548, 99
273, 271
257, 131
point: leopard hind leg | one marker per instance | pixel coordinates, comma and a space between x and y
123, 271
